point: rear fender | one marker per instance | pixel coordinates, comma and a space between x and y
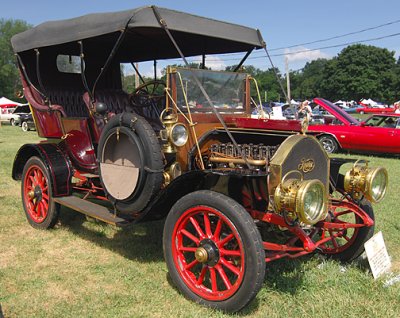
55, 160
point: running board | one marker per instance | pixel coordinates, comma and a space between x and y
93, 210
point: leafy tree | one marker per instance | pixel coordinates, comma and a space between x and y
306, 84
360, 71
9, 77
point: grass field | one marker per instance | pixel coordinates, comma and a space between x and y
84, 268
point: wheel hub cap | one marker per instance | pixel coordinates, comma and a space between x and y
201, 255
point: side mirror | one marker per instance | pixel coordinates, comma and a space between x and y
362, 124
101, 108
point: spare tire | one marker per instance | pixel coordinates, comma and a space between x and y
130, 162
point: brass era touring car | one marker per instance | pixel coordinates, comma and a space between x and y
236, 191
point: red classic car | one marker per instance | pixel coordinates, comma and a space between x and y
378, 134
374, 110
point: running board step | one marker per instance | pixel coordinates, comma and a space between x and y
93, 210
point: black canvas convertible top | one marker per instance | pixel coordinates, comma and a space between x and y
196, 35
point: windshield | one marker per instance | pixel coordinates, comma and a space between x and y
226, 90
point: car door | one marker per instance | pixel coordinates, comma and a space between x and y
375, 139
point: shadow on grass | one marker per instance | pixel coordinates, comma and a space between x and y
141, 242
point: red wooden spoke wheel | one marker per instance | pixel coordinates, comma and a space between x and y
208, 253
347, 244
214, 251
36, 192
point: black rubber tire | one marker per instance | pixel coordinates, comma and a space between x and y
53, 210
12, 122
329, 143
363, 235
24, 126
362, 112
250, 237
151, 170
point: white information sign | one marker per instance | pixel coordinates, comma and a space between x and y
377, 254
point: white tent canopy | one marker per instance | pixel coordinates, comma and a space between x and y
369, 101
5, 102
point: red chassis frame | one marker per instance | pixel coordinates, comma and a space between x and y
336, 229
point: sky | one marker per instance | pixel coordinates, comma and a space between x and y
285, 25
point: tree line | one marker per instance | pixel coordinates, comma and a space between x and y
358, 71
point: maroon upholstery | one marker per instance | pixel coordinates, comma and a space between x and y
118, 101
71, 101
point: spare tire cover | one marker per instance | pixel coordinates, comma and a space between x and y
130, 162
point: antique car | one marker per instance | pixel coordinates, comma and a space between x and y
341, 131
237, 192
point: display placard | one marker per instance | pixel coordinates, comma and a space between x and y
377, 254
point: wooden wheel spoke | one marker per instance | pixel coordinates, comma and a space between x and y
230, 266
223, 275
333, 239
202, 275
207, 225
45, 196
197, 227
226, 240
190, 236
187, 249
213, 278
218, 228
230, 252
191, 265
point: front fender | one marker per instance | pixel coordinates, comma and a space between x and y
55, 160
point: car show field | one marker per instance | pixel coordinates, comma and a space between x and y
182, 193
89, 269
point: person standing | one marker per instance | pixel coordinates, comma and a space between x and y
305, 110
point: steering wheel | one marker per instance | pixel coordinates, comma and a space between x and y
150, 94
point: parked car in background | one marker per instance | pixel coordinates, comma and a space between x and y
26, 122
374, 110
6, 115
353, 109
347, 133
18, 111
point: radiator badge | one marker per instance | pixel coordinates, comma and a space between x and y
306, 165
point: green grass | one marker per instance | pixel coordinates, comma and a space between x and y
84, 268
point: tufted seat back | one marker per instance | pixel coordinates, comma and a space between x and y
118, 101
71, 101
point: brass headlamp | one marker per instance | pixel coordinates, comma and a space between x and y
304, 199
363, 180
175, 134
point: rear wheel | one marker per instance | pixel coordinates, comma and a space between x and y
12, 122
24, 126
214, 251
329, 144
36, 192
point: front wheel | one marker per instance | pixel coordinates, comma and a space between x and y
329, 144
36, 192
12, 122
214, 251
346, 245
